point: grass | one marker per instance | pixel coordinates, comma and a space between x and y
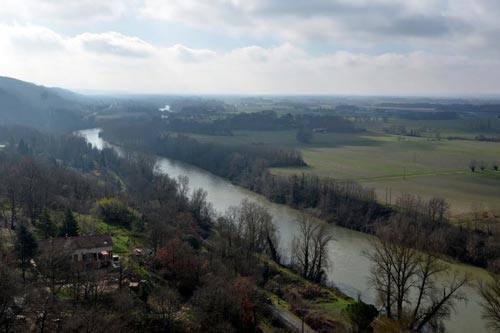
422, 166
429, 128
6, 237
322, 302
123, 238
331, 302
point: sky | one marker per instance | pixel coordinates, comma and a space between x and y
337, 47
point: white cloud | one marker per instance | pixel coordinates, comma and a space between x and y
30, 38
114, 43
412, 23
64, 10
183, 53
112, 61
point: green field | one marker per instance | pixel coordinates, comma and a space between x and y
429, 128
422, 166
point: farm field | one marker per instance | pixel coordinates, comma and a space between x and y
386, 162
429, 128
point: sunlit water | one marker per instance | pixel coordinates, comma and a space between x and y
350, 269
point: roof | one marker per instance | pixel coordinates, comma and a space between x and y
77, 243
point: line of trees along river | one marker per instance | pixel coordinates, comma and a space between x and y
342, 202
350, 270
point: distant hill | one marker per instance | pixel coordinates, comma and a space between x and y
25, 103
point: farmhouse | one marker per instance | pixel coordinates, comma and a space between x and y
91, 250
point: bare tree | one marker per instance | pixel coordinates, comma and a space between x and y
45, 309
477, 208
13, 195
490, 294
406, 279
310, 248
10, 288
411, 206
54, 267
250, 225
201, 209
438, 210
32, 185
89, 283
495, 164
165, 302
256, 223
472, 165
483, 165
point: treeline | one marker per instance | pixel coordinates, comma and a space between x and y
348, 204
431, 218
402, 130
419, 114
345, 203
448, 107
342, 202
235, 163
257, 121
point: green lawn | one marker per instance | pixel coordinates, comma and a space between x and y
123, 238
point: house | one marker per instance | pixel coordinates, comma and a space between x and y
93, 250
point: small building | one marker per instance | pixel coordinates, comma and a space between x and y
94, 250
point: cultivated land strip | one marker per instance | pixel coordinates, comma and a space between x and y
411, 175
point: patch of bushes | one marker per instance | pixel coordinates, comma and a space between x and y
117, 212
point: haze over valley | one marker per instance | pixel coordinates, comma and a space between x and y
249, 166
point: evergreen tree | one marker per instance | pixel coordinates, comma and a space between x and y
70, 226
25, 247
23, 148
46, 225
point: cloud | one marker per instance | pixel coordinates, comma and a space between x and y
413, 24
64, 10
114, 43
114, 61
31, 39
470, 26
183, 53
338, 18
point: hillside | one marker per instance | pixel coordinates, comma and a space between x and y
25, 103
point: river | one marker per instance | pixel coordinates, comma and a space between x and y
350, 269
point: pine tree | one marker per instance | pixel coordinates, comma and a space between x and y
46, 225
23, 148
25, 247
70, 226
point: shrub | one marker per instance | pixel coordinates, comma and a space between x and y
361, 315
117, 212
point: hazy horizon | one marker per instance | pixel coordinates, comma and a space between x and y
230, 47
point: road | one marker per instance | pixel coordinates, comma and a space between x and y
289, 320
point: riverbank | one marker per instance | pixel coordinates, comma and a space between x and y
340, 202
350, 270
